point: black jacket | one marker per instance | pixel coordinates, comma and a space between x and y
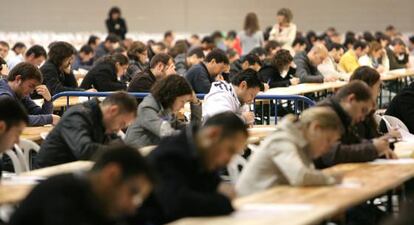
402, 107
103, 77
142, 82
199, 78
395, 62
117, 27
56, 80
305, 70
185, 188
64, 199
134, 68
352, 147
271, 75
78, 135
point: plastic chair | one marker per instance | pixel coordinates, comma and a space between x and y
393, 122
23, 149
233, 167
17, 165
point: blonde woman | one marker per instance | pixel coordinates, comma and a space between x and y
284, 31
286, 156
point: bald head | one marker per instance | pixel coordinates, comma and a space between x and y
318, 54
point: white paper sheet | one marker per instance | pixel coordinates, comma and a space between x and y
268, 209
392, 161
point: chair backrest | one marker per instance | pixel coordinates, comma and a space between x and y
26, 147
234, 167
393, 122
18, 167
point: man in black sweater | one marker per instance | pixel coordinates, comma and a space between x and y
86, 128
161, 65
201, 75
187, 167
119, 181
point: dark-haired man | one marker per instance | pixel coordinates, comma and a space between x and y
84, 58
161, 65
249, 61
114, 188
107, 47
187, 166
86, 128
201, 76
35, 55
24, 79
233, 97
349, 61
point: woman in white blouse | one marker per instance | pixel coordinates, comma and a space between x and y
284, 31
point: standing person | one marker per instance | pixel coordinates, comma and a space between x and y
115, 24
251, 37
284, 31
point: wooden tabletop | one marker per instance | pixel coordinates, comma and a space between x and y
59, 169
397, 74
362, 182
13, 190
33, 133
62, 102
305, 88
258, 132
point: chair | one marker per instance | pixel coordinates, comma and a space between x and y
234, 169
393, 122
17, 164
23, 149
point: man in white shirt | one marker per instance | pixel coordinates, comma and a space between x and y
35, 55
233, 97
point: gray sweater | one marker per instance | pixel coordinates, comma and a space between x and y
154, 122
305, 70
282, 159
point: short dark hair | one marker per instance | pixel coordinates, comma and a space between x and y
360, 89
299, 40
411, 39
166, 90
18, 45
252, 59
229, 122
87, 49
335, 46
218, 55
397, 41
230, 52
92, 39
59, 51
5, 44
259, 51
168, 33
160, 58
113, 38
368, 37
131, 162
367, 74
196, 51
27, 71
136, 47
114, 58
271, 45
360, 44
281, 59
37, 51
390, 27
12, 112
125, 102
250, 77
114, 10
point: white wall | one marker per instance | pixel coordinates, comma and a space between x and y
154, 16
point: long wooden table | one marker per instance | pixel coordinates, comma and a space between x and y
13, 190
362, 182
34, 133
